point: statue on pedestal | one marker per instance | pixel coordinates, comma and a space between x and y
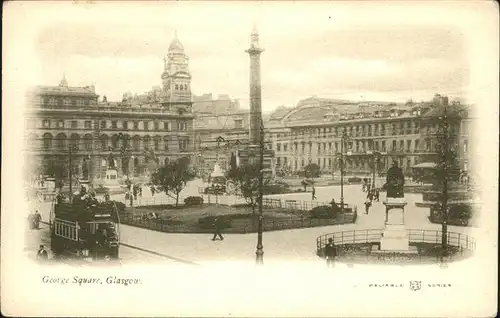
111, 161
395, 181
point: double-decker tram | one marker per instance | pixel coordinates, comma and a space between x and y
85, 228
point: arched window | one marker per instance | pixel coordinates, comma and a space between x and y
114, 142
104, 142
166, 141
47, 141
61, 141
136, 143
156, 143
87, 141
125, 141
147, 142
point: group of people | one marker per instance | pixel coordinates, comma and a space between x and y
372, 193
133, 192
34, 220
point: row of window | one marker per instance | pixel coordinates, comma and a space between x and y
329, 163
66, 101
135, 143
367, 130
357, 146
113, 124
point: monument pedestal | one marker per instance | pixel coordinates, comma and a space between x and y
85, 184
111, 181
51, 184
394, 238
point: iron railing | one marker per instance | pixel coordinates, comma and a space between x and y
373, 236
238, 226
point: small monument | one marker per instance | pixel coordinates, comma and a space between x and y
394, 238
111, 180
51, 184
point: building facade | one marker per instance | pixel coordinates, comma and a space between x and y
140, 132
398, 132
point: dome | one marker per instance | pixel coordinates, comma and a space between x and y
175, 45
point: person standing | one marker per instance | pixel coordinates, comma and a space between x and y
217, 232
314, 193
368, 204
42, 254
36, 220
330, 253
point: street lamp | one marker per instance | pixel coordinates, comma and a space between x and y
71, 148
259, 253
345, 141
375, 160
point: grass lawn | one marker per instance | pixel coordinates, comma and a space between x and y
240, 218
193, 213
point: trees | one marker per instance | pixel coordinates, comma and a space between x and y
152, 160
312, 170
173, 177
247, 178
446, 164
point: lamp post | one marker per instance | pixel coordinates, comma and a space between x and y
345, 140
375, 160
71, 148
260, 248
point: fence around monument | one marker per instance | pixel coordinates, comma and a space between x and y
373, 236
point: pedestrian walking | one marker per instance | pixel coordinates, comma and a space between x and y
377, 194
36, 220
330, 252
314, 193
42, 254
217, 232
368, 204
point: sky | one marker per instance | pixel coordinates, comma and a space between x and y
334, 50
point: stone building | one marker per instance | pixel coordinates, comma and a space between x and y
311, 133
140, 131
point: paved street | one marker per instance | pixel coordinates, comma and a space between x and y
296, 244
128, 256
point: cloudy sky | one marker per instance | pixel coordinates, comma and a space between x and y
362, 51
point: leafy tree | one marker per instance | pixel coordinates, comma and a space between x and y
247, 178
173, 177
312, 170
152, 160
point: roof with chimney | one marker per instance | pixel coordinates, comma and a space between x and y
64, 89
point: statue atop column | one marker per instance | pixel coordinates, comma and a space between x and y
395, 181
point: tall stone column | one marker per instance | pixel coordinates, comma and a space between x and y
255, 88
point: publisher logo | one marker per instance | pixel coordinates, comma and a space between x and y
415, 285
